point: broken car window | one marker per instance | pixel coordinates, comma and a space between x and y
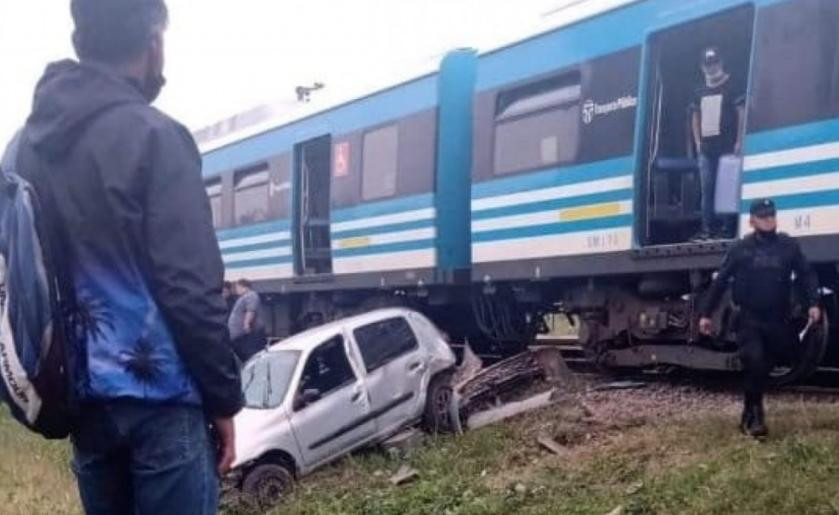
383, 341
265, 379
327, 368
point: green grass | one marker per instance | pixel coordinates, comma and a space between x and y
698, 466
35, 475
693, 466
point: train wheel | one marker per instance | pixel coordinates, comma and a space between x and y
813, 345
594, 348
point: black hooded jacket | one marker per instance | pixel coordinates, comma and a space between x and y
126, 185
760, 270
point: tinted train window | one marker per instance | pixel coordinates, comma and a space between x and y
250, 200
538, 125
796, 77
379, 163
214, 194
384, 341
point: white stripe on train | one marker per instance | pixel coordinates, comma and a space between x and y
551, 216
808, 221
384, 239
375, 221
558, 192
391, 261
791, 186
568, 244
255, 240
792, 156
260, 273
236, 257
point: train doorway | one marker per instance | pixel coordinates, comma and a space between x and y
313, 172
678, 88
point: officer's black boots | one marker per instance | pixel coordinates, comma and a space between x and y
758, 427
746, 418
752, 422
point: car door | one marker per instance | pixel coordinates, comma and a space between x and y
395, 367
338, 418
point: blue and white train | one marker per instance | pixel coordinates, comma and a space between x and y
549, 175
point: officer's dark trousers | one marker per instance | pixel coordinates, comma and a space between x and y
764, 342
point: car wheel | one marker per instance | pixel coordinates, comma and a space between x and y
267, 485
437, 415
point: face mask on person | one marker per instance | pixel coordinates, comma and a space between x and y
765, 226
154, 81
714, 74
153, 85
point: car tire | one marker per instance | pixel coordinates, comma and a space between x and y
437, 415
266, 485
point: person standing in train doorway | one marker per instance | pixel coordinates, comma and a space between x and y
717, 128
761, 266
153, 364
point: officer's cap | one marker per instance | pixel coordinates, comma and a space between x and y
762, 208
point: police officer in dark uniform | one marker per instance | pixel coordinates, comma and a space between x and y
761, 267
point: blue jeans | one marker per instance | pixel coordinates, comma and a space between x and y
708, 166
139, 459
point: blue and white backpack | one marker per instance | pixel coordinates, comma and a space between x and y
35, 370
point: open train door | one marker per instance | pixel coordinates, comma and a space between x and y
312, 172
669, 175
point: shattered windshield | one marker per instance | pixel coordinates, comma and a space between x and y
265, 378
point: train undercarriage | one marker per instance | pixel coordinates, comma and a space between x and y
625, 322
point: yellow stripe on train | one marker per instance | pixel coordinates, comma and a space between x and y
588, 212
354, 243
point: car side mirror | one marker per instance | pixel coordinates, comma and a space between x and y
309, 396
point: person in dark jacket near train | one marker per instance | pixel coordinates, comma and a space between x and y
761, 266
155, 366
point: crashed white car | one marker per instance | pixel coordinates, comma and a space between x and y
322, 393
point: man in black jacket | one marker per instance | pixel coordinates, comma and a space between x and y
154, 362
761, 267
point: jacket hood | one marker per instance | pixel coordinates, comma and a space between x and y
68, 97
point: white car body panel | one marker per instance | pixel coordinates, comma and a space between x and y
372, 408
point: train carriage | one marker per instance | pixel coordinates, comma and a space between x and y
552, 174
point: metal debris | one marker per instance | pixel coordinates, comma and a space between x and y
476, 390
401, 443
620, 385
469, 367
550, 444
634, 488
404, 475
491, 416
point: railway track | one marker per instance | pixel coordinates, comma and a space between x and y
825, 381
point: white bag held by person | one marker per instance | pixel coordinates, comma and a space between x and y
729, 179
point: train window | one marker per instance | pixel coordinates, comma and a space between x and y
796, 77
250, 200
538, 125
214, 194
379, 163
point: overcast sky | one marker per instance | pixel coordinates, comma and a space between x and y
226, 56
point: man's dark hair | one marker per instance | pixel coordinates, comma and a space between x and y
115, 31
244, 282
